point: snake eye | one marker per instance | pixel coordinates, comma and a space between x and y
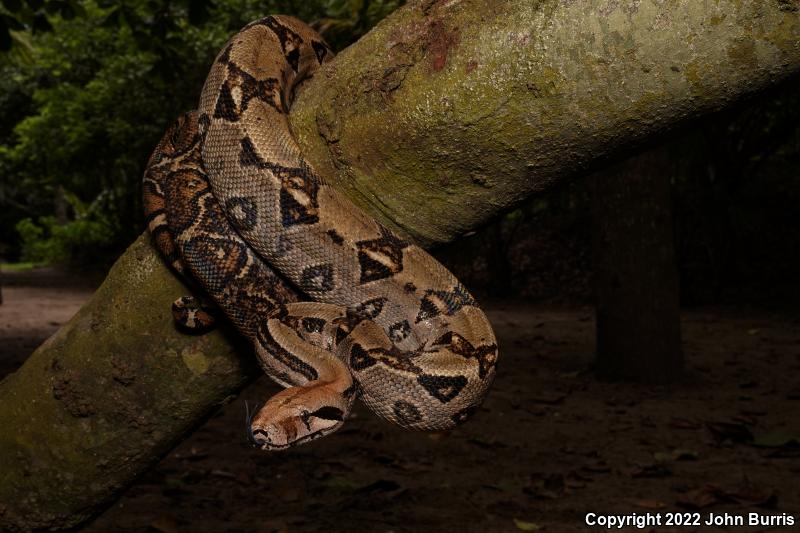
323, 413
329, 413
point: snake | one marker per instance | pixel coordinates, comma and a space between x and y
335, 304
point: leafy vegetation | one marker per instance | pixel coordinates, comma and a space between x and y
86, 91
76, 242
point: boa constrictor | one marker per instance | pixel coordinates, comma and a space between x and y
229, 196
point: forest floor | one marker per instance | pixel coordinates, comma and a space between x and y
551, 443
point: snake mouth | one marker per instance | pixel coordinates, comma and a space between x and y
290, 431
261, 440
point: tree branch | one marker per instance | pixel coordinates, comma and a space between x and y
107, 396
467, 107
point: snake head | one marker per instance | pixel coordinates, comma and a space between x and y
293, 417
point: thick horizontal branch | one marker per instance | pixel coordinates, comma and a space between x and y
449, 112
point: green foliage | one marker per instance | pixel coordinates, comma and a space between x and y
346, 20
17, 17
79, 242
82, 105
75, 243
18, 267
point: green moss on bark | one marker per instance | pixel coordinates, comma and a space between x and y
106, 396
466, 108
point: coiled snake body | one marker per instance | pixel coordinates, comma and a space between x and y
228, 196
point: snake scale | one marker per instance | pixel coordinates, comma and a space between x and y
233, 205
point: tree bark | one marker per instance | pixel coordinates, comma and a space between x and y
108, 395
468, 107
463, 108
636, 274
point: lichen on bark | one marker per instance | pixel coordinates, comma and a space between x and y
467, 107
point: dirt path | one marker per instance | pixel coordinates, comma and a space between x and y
35, 304
550, 445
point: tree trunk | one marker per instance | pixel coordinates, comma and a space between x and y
61, 206
636, 275
459, 109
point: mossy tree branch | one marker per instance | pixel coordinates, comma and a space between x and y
457, 107
467, 107
108, 395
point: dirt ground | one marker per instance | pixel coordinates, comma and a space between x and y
550, 445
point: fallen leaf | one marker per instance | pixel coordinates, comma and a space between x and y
683, 423
745, 419
223, 473
649, 504
776, 440
678, 454
164, 524
486, 443
526, 526
341, 483
751, 495
549, 398
681, 454
710, 494
700, 498
193, 455
654, 470
546, 486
